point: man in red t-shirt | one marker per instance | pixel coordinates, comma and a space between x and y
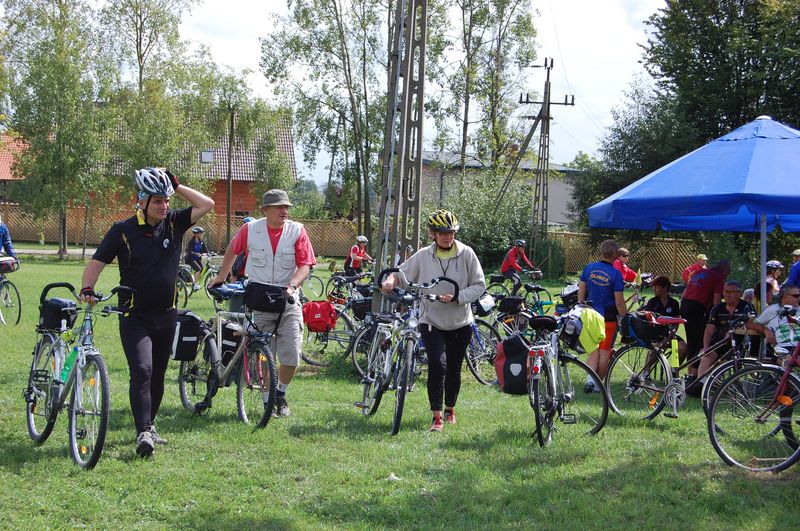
358, 254
703, 290
510, 268
700, 263
278, 252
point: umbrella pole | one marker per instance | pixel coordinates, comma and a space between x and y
763, 294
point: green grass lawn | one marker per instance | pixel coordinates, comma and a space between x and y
327, 466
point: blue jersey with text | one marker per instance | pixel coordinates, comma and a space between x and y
602, 280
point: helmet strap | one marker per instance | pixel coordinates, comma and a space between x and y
146, 206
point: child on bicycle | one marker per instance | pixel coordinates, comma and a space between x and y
510, 267
195, 250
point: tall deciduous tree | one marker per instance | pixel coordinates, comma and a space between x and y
53, 90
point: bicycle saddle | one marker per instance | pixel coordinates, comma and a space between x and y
670, 321
533, 287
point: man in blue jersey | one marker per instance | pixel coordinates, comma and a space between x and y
601, 284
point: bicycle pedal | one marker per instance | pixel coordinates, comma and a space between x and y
569, 418
40, 376
360, 405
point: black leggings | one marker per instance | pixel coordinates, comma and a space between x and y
696, 319
147, 342
446, 350
514, 276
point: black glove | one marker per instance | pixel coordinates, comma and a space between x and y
172, 179
88, 292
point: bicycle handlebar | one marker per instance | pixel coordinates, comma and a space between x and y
425, 286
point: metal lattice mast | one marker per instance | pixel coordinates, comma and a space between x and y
399, 211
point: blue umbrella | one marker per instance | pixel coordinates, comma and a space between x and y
745, 181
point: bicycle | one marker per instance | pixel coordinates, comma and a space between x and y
56, 373
751, 422
536, 297
231, 348
636, 300
312, 289
10, 302
184, 285
640, 377
555, 377
394, 360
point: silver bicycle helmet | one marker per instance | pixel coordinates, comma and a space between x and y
361, 239
197, 230
772, 265
153, 181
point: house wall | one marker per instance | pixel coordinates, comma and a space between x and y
242, 198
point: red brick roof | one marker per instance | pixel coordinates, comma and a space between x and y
9, 146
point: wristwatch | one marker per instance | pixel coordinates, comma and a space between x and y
293, 286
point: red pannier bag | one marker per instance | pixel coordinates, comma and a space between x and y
319, 316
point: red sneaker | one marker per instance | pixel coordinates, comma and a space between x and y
450, 416
437, 424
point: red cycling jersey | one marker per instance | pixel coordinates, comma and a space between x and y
510, 261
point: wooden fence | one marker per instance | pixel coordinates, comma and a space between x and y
662, 256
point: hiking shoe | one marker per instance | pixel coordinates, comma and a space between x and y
281, 407
450, 416
145, 444
437, 424
589, 387
157, 439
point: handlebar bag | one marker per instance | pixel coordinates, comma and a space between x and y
511, 365
264, 297
54, 310
319, 316
8, 264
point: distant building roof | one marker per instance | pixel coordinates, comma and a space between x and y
243, 166
450, 159
9, 146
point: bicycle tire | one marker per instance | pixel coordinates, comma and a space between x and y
322, 348
359, 353
334, 286
181, 293
509, 324
197, 378
714, 379
40, 394
256, 386
375, 382
590, 410
541, 396
481, 352
206, 280
10, 303
739, 437
498, 288
635, 382
402, 384
535, 301
314, 288
89, 411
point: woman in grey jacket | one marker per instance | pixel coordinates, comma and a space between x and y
445, 325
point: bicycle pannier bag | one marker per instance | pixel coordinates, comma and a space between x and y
483, 306
496, 277
365, 290
230, 341
319, 316
264, 297
54, 310
511, 365
511, 304
187, 336
8, 264
361, 308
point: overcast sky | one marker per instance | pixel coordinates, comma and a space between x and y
594, 44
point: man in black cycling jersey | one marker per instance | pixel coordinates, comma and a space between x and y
147, 247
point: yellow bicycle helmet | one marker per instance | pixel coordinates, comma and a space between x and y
443, 221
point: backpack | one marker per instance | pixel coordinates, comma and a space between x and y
319, 316
511, 365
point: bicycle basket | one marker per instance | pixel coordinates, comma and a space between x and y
187, 336
8, 264
511, 304
638, 327
536, 274
361, 308
54, 310
483, 306
496, 277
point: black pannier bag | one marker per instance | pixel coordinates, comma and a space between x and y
264, 297
52, 311
188, 334
229, 342
361, 308
496, 277
365, 290
640, 327
511, 304
511, 365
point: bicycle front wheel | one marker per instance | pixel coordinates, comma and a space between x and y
402, 384
481, 352
375, 381
713, 381
360, 351
196, 379
541, 395
580, 412
255, 388
10, 303
636, 379
314, 288
89, 410
497, 288
749, 433
540, 301
41, 391
182, 292
210, 274
321, 348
